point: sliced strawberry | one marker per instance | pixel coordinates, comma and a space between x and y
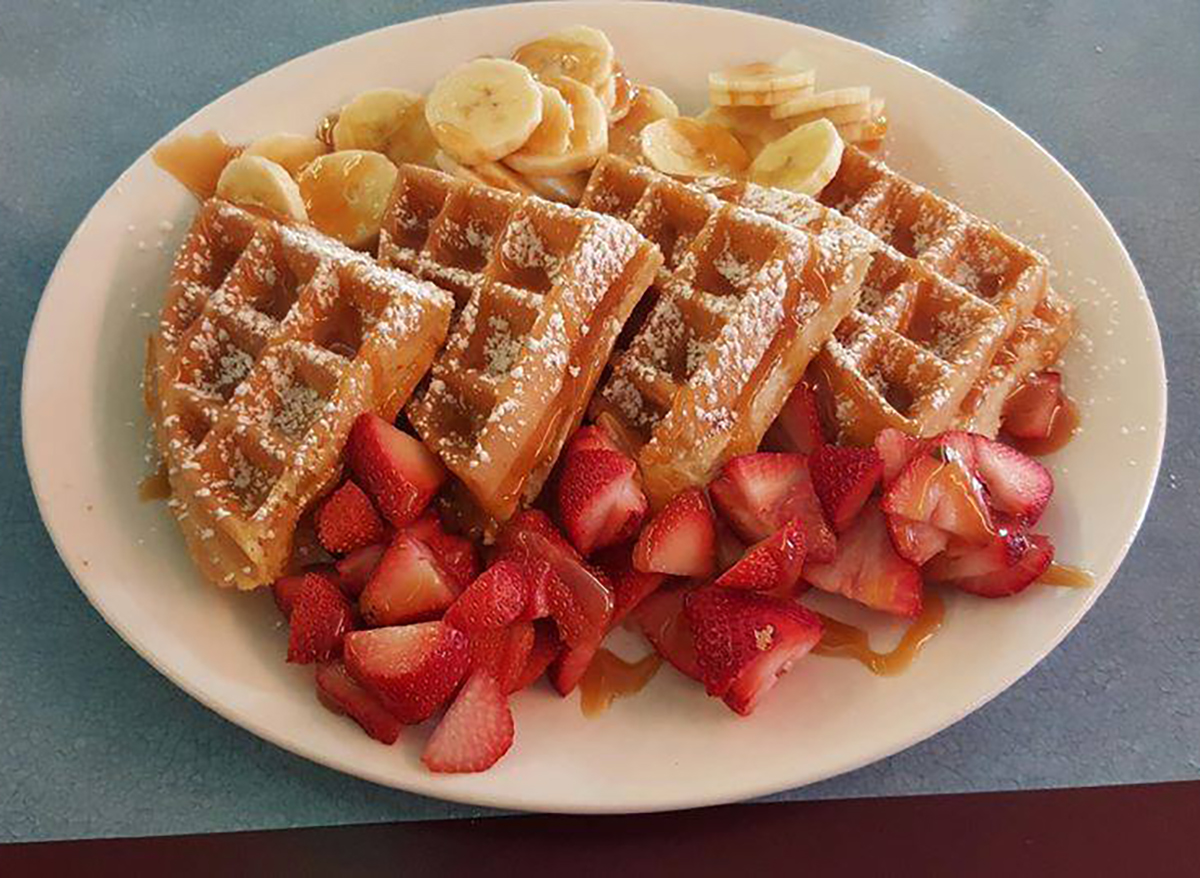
939, 487
773, 564
538, 571
494, 600
503, 652
571, 664
590, 438
476, 730
844, 478
745, 641
680, 540
320, 618
455, 554
1029, 411
413, 669
798, 426
868, 570
396, 470
546, 646
600, 499
1006, 566
896, 448
355, 569
341, 693
760, 493
915, 541
1016, 483
407, 585
286, 589
629, 585
347, 520
662, 620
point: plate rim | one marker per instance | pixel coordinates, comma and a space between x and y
512, 797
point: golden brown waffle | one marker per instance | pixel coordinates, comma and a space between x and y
544, 291
739, 309
273, 339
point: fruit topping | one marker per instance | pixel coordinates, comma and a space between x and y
773, 564
347, 520
407, 585
413, 669
395, 469
662, 620
476, 730
1005, 566
1030, 411
493, 601
844, 478
320, 618
798, 426
600, 500
341, 693
679, 540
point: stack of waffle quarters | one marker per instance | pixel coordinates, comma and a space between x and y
954, 314
272, 340
543, 291
740, 307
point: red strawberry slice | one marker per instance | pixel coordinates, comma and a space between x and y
571, 664
503, 652
629, 585
1016, 483
591, 438
355, 569
939, 487
413, 669
494, 600
1006, 566
341, 693
1029, 412
538, 571
347, 520
476, 730
320, 618
680, 540
760, 493
843, 479
745, 641
395, 469
915, 541
773, 564
662, 620
798, 426
407, 585
286, 589
546, 647
896, 448
868, 570
455, 554
600, 499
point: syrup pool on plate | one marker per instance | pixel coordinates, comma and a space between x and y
609, 677
843, 640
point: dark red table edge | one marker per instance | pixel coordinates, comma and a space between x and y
1140, 830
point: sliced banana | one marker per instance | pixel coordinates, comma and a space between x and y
553, 135
256, 182
758, 85
842, 115
589, 134
324, 132
649, 104
387, 120
752, 126
866, 130
624, 93
484, 109
687, 147
823, 100
346, 192
293, 151
567, 188
793, 59
804, 160
580, 52
488, 173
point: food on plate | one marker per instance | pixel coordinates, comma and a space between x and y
799, 371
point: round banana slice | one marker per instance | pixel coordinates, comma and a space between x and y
484, 109
842, 115
690, 148
259, 183
624, 92
487, 174
346, 192
822, 100
387, 120
580, 52
553, 135
589, 134
793, 59
567, 188
649, 104
293, 151
752, 126
607, 92
758, 85
804, 160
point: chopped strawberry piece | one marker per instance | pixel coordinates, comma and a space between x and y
1006, 566
798, 426
896, 448
760, 493
396, 470
355, 569
503, 652
680, 540
572, 663
476, 730
494, 600
844, 478
1016, 483
407, 585
1029, 411
591, 438
939, 487
729, 548
455, 554
320, 618
546, 646
662, 620
745, 641
600, 499
286, 589
868, 570
347, 520
774, 563
538, 571
915, 541
629, 585
413, 669
341, 693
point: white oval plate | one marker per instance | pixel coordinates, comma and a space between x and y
670, 747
